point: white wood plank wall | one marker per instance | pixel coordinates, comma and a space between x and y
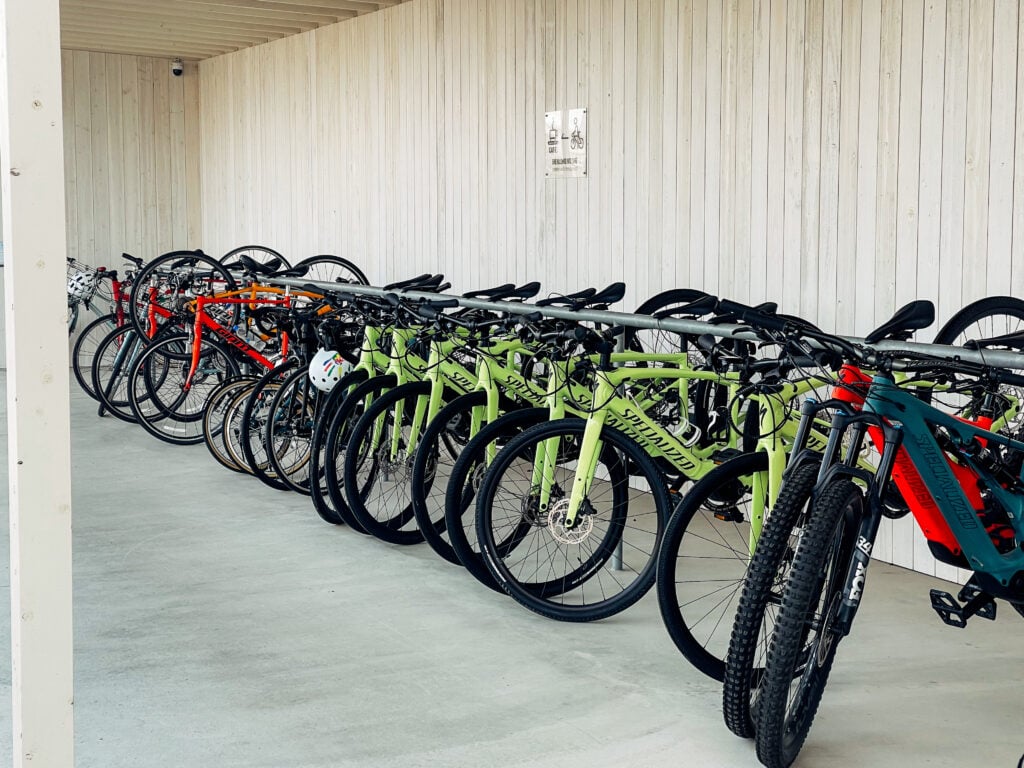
840, 157
131, 141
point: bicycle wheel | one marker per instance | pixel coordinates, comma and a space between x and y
319, 492
602, 564
214, 419
258, 253
761, 596
443, 442
464, 483
254, 419
983, 319
84, 351
293, 411
333, 269
114, 358
378, 463
704, 557
180, 274
804, 644
348, 412
165, 399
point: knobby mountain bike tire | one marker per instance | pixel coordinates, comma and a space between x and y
803, 646
761, 597
572, 573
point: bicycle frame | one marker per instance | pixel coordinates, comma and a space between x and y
204, 322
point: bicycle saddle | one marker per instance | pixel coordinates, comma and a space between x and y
908, 318
297, 271
609, 295
498, 292
525, 291
253, 267
568, 299
424, 282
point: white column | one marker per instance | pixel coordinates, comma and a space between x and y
38, 419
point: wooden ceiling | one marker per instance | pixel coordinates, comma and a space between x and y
196, 29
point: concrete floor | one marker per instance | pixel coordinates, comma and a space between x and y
219, 623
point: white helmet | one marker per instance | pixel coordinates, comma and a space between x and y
82, 285
326, 369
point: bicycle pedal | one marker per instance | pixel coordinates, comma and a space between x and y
956, 615
970, 592
948, 608
731, 515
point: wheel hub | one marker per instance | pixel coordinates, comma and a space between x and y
557, 515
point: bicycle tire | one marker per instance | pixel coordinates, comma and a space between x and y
435, 459
348, 412
261, 254
160, 400
464, 483
319, 493
214, 419
254, 419
111, 365
333, 269
84, 351
138, 302
797, 652
983, 319
703, 560
379, 490
761, 596
289, 434
513, 532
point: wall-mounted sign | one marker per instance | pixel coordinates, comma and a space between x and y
566, 145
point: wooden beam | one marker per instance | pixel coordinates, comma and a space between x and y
211, 21
123, 50
269, 9
38, 407
180, 33
131, 46
228, 15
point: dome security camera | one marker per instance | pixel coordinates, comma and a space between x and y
177, 68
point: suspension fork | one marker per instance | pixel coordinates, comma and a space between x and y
867, 530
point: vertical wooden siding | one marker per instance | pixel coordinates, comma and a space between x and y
131, 153
839, 156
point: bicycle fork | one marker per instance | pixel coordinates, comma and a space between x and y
865, 528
